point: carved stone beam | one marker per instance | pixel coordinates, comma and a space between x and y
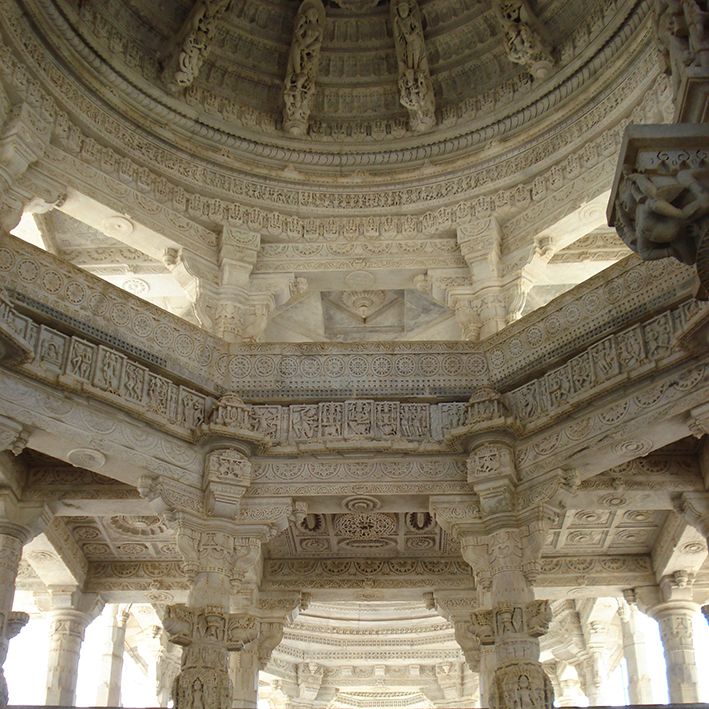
302, 69
14, 349
192, 43
660, 198
56, 558
523, 37
415, 86
681, 543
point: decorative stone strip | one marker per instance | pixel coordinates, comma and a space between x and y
625, 355
265, 372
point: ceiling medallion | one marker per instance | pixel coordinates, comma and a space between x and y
117, 226
86, 458
361, 503
364, 302
365, 525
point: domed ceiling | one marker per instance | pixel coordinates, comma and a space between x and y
335, 170
223, 65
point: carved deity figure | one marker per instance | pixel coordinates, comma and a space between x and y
682, 30
301, 71
521, 685
415, 87
665, 215
523, 42
194, 42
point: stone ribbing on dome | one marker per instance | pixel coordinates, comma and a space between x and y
207, 112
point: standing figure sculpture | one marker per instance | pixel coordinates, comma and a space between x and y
415, 86
301, 72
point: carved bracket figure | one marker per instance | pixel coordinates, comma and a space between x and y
193, 42
524, 43
415, 87
302, 69
682, 30
660, 199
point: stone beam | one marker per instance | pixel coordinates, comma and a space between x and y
678, 547
595, 308
56, 557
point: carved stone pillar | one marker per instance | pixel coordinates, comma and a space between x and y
596, 665
244, 668
675, 616
206, 630
167, 668
487, 671
636, 652
18, 524
415, 87
23, 139
109, 689
302, 69
71, 614
502, 530
11, 541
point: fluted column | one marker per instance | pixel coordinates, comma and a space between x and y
635, 651
70, 616
675, 616
487, 670
109, 690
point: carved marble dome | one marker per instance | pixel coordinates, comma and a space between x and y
232, 104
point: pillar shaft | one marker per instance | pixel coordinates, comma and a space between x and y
635, 650
109, 691
487, 670
675, 619
244, 676
67, 627
205, 628
11, 542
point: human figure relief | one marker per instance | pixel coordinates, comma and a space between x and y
660, 216
415, 87
301, 72
523, 41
